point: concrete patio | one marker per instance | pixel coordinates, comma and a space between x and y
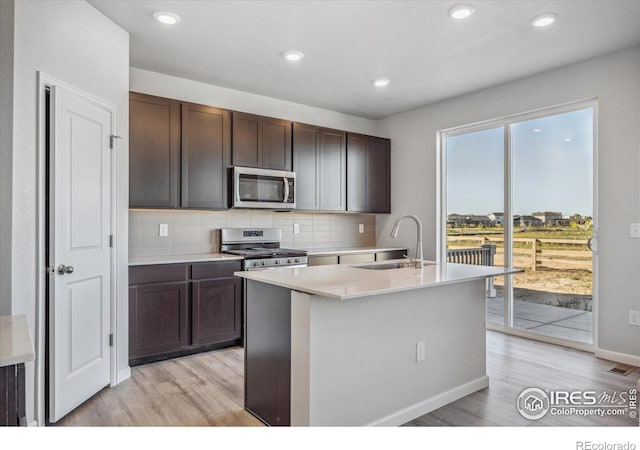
554, 321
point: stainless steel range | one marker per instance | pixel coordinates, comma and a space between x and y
260, 248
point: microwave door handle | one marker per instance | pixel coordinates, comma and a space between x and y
237, 180
286, 190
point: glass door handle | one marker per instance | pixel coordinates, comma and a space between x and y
590, 245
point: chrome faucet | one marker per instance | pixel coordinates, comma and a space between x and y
394, 234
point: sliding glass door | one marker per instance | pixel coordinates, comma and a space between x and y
475, 205
522, 189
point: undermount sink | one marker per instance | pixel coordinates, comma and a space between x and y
394, 265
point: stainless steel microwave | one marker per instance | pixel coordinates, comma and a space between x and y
263, 188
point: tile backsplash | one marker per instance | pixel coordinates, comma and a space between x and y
192, 232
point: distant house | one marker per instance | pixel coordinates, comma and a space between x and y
496, 217
474, 221
455, 220
577, 219
549, 217
530, 221
469, 220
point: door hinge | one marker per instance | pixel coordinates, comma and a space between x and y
111, 240
111, 138
111, 340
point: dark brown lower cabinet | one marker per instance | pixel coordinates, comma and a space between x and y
12, 395
158, 318
180, 309
216, 310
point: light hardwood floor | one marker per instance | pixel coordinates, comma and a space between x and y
207, 390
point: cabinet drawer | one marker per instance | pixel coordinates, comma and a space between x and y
357, 258
394, 254
322, 260
157, 273
221, 269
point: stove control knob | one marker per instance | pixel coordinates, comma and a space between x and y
289, 261
263, 263
277, 261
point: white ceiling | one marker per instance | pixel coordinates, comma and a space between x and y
426, 55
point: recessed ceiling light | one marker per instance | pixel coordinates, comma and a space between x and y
165, 17
537, 130
567, 140
461, 11
544, 20
292, 55
380, 82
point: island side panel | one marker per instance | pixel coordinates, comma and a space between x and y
268, 352
362, 354
300, 336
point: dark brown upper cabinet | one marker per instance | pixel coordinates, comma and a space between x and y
178, 154
320, 163
206, 153
368, 174
154, 151
261, 142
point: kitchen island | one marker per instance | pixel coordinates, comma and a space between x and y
346, 345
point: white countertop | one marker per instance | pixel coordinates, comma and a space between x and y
350, 251
176, 259
347, 281
16, 345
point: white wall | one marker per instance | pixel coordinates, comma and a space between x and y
614, 80
6, 150
72, 42
154, 83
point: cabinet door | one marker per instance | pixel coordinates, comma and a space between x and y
306, 143
158, 320
379, 175
332, 170
216, 311
357, 187
154, 151
276, 144
247, 137
206, 151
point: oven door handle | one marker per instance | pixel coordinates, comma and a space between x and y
286, 190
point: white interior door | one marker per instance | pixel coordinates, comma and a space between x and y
80, 223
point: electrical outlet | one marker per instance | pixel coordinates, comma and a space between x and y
634, 230
420, 351
296, 228
163, 229
634, 318
361, 228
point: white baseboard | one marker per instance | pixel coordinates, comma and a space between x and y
623, 358
431, 404
123, 375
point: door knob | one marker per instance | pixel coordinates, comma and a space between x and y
62, 269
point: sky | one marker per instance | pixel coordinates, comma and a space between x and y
552, 167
